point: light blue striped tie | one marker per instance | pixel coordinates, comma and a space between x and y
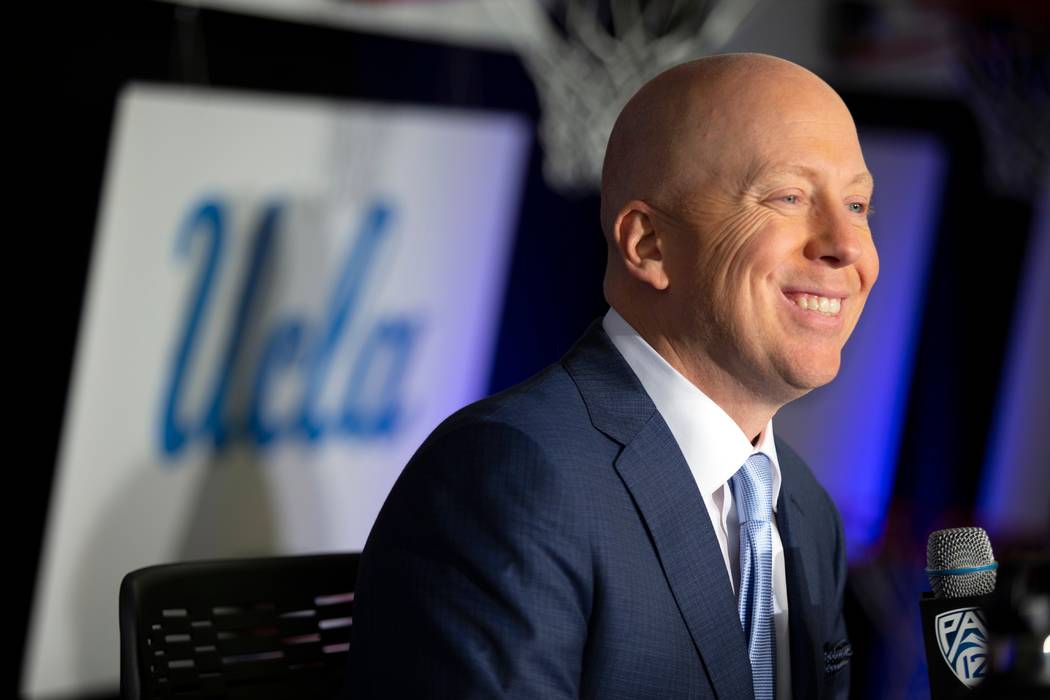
753, 490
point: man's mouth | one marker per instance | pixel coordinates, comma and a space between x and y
823, 305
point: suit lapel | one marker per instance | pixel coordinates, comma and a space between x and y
800, 556
655, 473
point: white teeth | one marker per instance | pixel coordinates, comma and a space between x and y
823, 305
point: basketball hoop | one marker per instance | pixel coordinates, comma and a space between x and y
590, 56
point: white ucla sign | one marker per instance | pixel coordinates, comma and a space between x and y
285, 297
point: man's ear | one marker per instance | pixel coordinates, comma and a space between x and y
640, 244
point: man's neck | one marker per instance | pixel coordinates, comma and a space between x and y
749, 412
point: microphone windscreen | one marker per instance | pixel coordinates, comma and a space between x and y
959, 563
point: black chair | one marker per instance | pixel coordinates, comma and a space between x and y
275, 627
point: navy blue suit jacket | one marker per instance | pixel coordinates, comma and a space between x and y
550, 542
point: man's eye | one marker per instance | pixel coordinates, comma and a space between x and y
857, 207
790, 198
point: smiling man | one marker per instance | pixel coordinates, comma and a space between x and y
625, 523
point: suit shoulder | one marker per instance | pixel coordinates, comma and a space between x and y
500, 460
546, 409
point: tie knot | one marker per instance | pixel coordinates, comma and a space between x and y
753, 488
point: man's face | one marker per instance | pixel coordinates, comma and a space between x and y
769, 257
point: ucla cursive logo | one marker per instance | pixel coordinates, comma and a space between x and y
371, 402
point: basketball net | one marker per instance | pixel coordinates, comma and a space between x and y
590, 56
1007, 73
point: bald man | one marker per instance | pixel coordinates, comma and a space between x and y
625, 524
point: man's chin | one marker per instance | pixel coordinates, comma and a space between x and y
804, 379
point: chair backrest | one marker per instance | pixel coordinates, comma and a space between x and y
275, 627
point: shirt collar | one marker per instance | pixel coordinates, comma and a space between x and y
712, 443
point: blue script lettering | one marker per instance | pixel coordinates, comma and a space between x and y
371, 401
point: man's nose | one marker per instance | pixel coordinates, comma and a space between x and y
835, 238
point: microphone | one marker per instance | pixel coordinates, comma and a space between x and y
959, 563
962, 570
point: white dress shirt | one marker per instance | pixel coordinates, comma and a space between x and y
714, 447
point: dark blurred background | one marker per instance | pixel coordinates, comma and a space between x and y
970, 77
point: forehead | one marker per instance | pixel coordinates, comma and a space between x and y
824, 148
773, 172
778, 122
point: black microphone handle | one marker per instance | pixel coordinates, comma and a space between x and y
956, 635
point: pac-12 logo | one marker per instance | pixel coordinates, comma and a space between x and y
963, 639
